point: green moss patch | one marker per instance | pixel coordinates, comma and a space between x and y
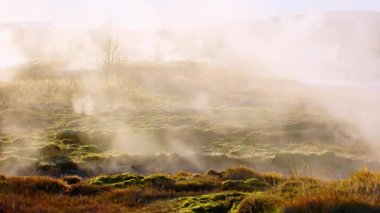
118, 180
219, 202
256, 183
259, 203
252, 184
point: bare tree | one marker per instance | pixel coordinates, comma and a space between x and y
110, 46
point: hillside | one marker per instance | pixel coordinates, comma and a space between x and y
274, 115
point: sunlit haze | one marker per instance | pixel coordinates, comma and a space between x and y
177, 14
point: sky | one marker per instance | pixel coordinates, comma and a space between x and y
176, 14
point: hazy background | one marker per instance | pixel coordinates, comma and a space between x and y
145, 14
315, 44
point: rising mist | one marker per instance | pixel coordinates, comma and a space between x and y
106, 99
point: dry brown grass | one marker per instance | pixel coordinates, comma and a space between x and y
136, 196
358, 193
45, 194
42, 202
260, 203
273, 178
32, 184
325, 203
240, 173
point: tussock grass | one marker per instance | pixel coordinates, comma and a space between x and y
186, 192
219, 202
240, 173
32, 184
259, 203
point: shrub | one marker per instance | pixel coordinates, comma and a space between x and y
259, 203
214, 173
240, 173
329, 204
251, 184
159, 181
203, 183
362, 182
234, 185
295, 187
273, 178
255, 183
182, 174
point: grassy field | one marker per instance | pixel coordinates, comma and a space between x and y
118, 143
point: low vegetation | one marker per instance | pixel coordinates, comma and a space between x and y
187, 192
53, 126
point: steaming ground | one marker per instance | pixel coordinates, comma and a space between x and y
167, 117
212, 98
